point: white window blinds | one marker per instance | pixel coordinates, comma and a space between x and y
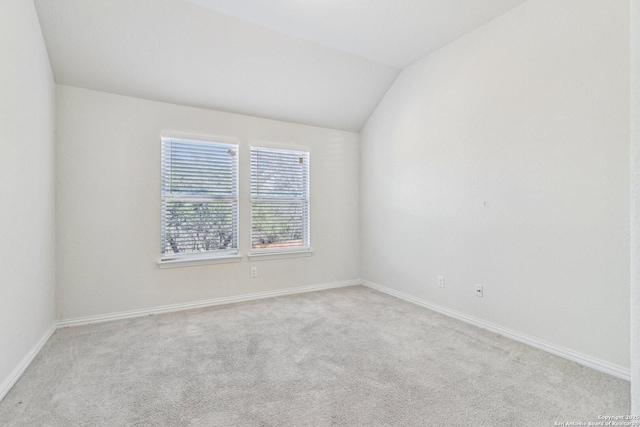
199, 197
279, 199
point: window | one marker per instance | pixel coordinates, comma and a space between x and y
199, 198
279, 200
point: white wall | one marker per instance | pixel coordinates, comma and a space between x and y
503, 159
26, 186
108, 205
635, 206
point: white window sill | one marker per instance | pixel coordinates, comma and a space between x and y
260, 256
193, 261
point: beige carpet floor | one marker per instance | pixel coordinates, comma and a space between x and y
344, 357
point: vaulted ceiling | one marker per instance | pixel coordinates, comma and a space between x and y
319, 62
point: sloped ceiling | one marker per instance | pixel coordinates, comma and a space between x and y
393, 32
323, 63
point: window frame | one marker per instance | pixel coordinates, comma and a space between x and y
203, 257
281, 252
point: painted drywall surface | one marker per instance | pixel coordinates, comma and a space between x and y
635, 206
503, 160
27, 127
108, 205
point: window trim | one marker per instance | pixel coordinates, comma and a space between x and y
187, 260
280, 252
263, 256
208, 257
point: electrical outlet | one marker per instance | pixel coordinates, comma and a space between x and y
441, 281
254, 271
479, 290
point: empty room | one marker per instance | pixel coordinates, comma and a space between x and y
320, 213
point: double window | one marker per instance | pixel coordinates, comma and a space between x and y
200, 208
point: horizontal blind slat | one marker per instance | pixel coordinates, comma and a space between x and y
199, 190
279, 198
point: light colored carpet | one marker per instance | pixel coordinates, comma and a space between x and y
345, 357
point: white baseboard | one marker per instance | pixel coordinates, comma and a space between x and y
26, 361
15, 375
575, 356
583, 359
202, 304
